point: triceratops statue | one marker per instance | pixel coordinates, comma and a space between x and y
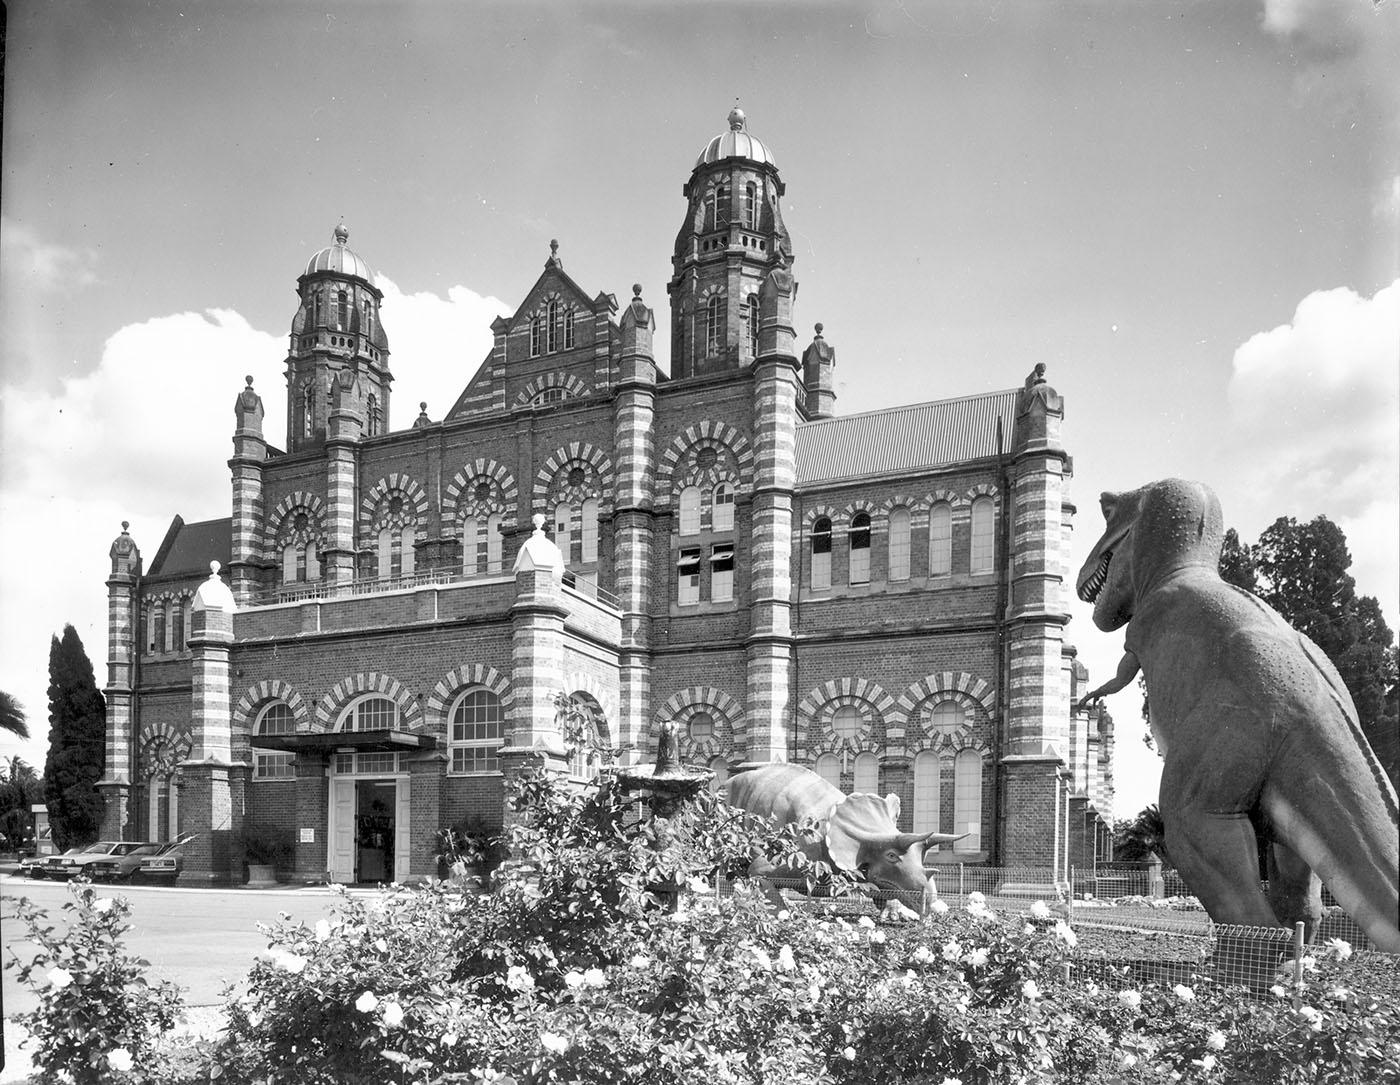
855, 833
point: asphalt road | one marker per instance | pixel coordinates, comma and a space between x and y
202, 939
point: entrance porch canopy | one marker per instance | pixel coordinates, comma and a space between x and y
347, 742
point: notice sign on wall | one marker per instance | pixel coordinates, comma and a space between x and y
308, 836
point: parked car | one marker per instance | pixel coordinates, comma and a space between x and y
70, 864
34, 866
122, 867
166, 865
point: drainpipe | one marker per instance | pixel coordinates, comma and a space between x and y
1003, 660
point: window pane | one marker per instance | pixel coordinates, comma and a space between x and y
948, 717
829, 769
967, 800
940, 540
846, 721
927, 783
859, 536
588, 529
493, 543
277, 719
375, 714
690, 511
386, 553
469, 555
289, 563
688, 576
982, 540
406, 548
476, 732
722, 518
899, 544
563, 527
702, 726
313, 562
867, 776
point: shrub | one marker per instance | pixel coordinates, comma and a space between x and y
268, 847
98, 1016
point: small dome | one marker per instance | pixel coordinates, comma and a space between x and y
340, 259
213, 594
736, 143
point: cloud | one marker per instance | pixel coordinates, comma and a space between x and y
1313, 410
147, 434
1387, 205
27, 260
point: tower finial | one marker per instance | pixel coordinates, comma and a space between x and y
553, 260
737, 120
341, 234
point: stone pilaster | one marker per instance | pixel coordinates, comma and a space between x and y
1038, 698
537, 655
426, 777
115, 784
343, 430
819, 377
770, 644
1033, 825
313, 813
249, 455
206, 802
634, 413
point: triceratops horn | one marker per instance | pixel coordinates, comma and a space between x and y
904, 841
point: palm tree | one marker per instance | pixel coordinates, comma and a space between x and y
12, 717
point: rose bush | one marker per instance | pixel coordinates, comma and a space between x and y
98, 1016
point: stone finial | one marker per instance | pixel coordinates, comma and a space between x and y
422, 420
737, 119
125, 524
818, 329
341, 234
123, 552
554, 260
248, 406
637, 291
539, 553
213, 594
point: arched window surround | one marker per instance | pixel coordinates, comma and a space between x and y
476, 722
274, 718
371, 712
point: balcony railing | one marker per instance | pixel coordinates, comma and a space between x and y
375, 585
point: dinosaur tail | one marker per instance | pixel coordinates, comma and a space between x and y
1348, 833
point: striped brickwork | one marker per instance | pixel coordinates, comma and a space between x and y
211, 703
729, 737
460, 499
551, 480
354, 686
537, 660
245, 712
121, 653
467, 676
341, 471
249, 455
570, 385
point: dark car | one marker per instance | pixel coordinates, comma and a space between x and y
123, 867
164, 866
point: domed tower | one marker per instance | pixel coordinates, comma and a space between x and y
732, 236
336, 329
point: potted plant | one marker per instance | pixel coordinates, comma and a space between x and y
265, 850
468, 851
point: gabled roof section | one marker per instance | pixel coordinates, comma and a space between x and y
187, 549
554, 275
904, 440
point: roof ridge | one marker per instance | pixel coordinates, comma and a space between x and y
908, 407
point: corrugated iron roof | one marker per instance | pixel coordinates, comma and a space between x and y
194, 547
900, 440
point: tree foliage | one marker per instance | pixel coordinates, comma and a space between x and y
12, 715
20, 788
77, 739
1300, 569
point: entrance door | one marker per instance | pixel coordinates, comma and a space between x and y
341, 859
402, 824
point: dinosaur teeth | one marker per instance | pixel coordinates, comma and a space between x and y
1089, 590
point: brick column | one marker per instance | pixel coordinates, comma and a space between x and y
312, 795
1032, 823
634, 413
770, 644
206, 800
249, 455
537, 656
343, 430
426, 775
115, 784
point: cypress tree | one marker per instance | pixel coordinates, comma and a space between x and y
77, 744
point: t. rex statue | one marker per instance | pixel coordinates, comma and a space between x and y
1252, 720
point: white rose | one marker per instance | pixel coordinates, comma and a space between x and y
865, 921
849, 1054
1131, 999
552, 1041
1340, 947
1030, 990
877, 937
1040, 910
977, 958
923, 955
393, 1014
952, 952
101, 905
785, 959
449, 1039
1183, 992
1065, 934
59, 977
1216, 1040
119, 1058
940, 907
1207, 1063
323, 930
366, 1002
594, 977
640, 961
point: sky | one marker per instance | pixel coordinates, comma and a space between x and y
1188, 211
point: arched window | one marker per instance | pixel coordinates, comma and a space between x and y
158, 628
342, 308
308, 410
720, 767
177, 626
317, 309
867, 774
372, 713
752, 323
846, 721
967, 800
552, 319
983, 542
289, 563
899, 543
947, 717
940, 539
722, 572
690, 511
688, 576
701, 727
367, 326
722, 506
536, 335
713, 324
563, 530
821, 554
751, 206
859, 537
586, 759
188, 610
371, 415
569, 328
152, 627
469, 546
722, 204
475, 741
588, 531
313, 561
828, 767
275, 719
406, 560
389, 554
928, 785
493, 543
710, 217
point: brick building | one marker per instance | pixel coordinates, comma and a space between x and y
880, 596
